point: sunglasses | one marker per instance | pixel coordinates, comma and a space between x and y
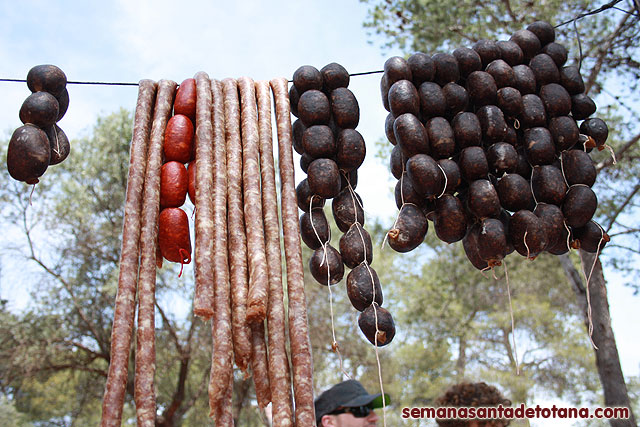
356, 411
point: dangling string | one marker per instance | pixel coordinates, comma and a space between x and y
57, 149
33, 188
575, 27
386, 236
354, 200
568, 235
335, 347
531, 186
513, 323
384, 404
446, 181
524, 239
562, 170
185, 257
613, 154
588, 281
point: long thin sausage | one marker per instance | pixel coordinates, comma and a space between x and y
258, 278
125, 305
222, 357
279, 374
204, 226
298, 326
224, 414
260, 365
144, 394
236, 234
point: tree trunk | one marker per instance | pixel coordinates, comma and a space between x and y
461, 362
241, 390
607, 358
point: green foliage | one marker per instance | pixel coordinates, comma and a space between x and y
9, 415
430, 26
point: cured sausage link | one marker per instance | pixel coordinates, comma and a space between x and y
298, 325
258, 278
222, 358
204, 226
260, 365
224, 414
125, 305
236, 233
279, 374
144, 394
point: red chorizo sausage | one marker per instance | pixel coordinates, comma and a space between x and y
173, 235
185, 102
125, 305
178, 139
298, 325
174, 181
191, 186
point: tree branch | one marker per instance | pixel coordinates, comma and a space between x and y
64, 283
619, 154
171, 330
86, 349
632, 250
603, 54
622, 233
178, 396
614, 217
73, 366
507, 5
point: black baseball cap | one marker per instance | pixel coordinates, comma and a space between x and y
349, 394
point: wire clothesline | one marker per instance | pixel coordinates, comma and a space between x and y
136, 84
611, 5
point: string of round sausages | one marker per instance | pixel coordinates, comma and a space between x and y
40, 142
492, 144
332, 150
174, 241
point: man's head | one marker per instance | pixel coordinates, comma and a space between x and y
348, 404
472, 395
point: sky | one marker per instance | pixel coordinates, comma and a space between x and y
126, 41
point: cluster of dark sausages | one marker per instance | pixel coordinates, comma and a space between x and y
487, 145
238, 266
331, 151
40, 142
